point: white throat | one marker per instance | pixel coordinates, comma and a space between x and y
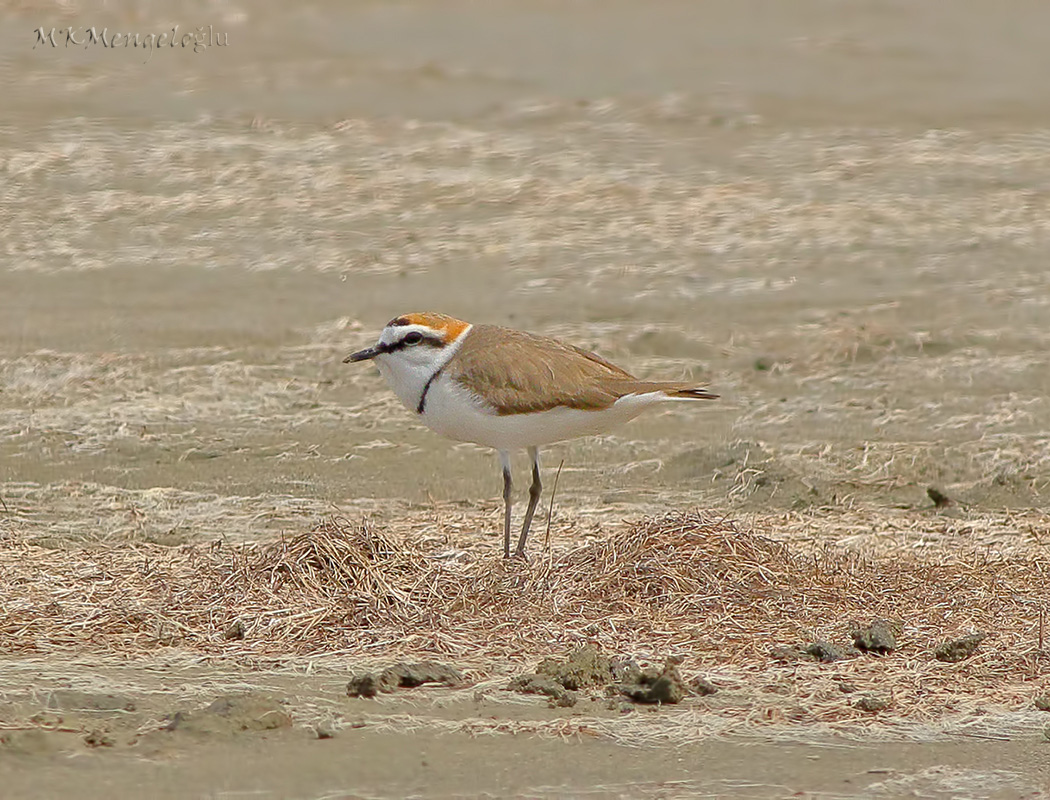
409, 372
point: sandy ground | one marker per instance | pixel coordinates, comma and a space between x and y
423, 746
833, 213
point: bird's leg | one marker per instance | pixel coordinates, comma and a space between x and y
534, 498
508, 484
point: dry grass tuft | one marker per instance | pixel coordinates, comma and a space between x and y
353, 567
688, 584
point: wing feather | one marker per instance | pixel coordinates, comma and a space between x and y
520, 373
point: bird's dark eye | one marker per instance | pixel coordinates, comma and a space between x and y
413, 338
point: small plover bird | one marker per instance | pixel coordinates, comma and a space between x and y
509, 390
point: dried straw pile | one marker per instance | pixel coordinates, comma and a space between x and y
689, 584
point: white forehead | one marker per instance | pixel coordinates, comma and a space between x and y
395, 333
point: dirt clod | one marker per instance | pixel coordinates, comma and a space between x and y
364, 685
47, 719
789, 654
31, 742
872, 703
878, 637
959, 649
584, 667
534, 683
69, 700
702, 687
404, 675
567, 699
98, 738
826, 652
939, 498
410, 675
231, 714
764, 363
250, 713
665, 686
624, 669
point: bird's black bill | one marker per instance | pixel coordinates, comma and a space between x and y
364, 355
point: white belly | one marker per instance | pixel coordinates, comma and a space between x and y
459, 414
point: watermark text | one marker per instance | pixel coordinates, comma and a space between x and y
198, 39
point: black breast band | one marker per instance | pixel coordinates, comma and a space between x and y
422, 406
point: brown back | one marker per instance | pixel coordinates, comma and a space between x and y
522, 373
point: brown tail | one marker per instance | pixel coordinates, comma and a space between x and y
676, 390
692, 394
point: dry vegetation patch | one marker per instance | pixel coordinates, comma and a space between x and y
704, 587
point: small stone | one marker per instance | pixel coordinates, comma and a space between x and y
1043, 703
176, 721
324, 730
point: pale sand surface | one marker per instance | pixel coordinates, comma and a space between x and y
834, 213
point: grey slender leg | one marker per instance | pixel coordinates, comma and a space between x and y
504, 458
534, 498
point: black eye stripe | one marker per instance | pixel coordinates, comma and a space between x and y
401, 344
